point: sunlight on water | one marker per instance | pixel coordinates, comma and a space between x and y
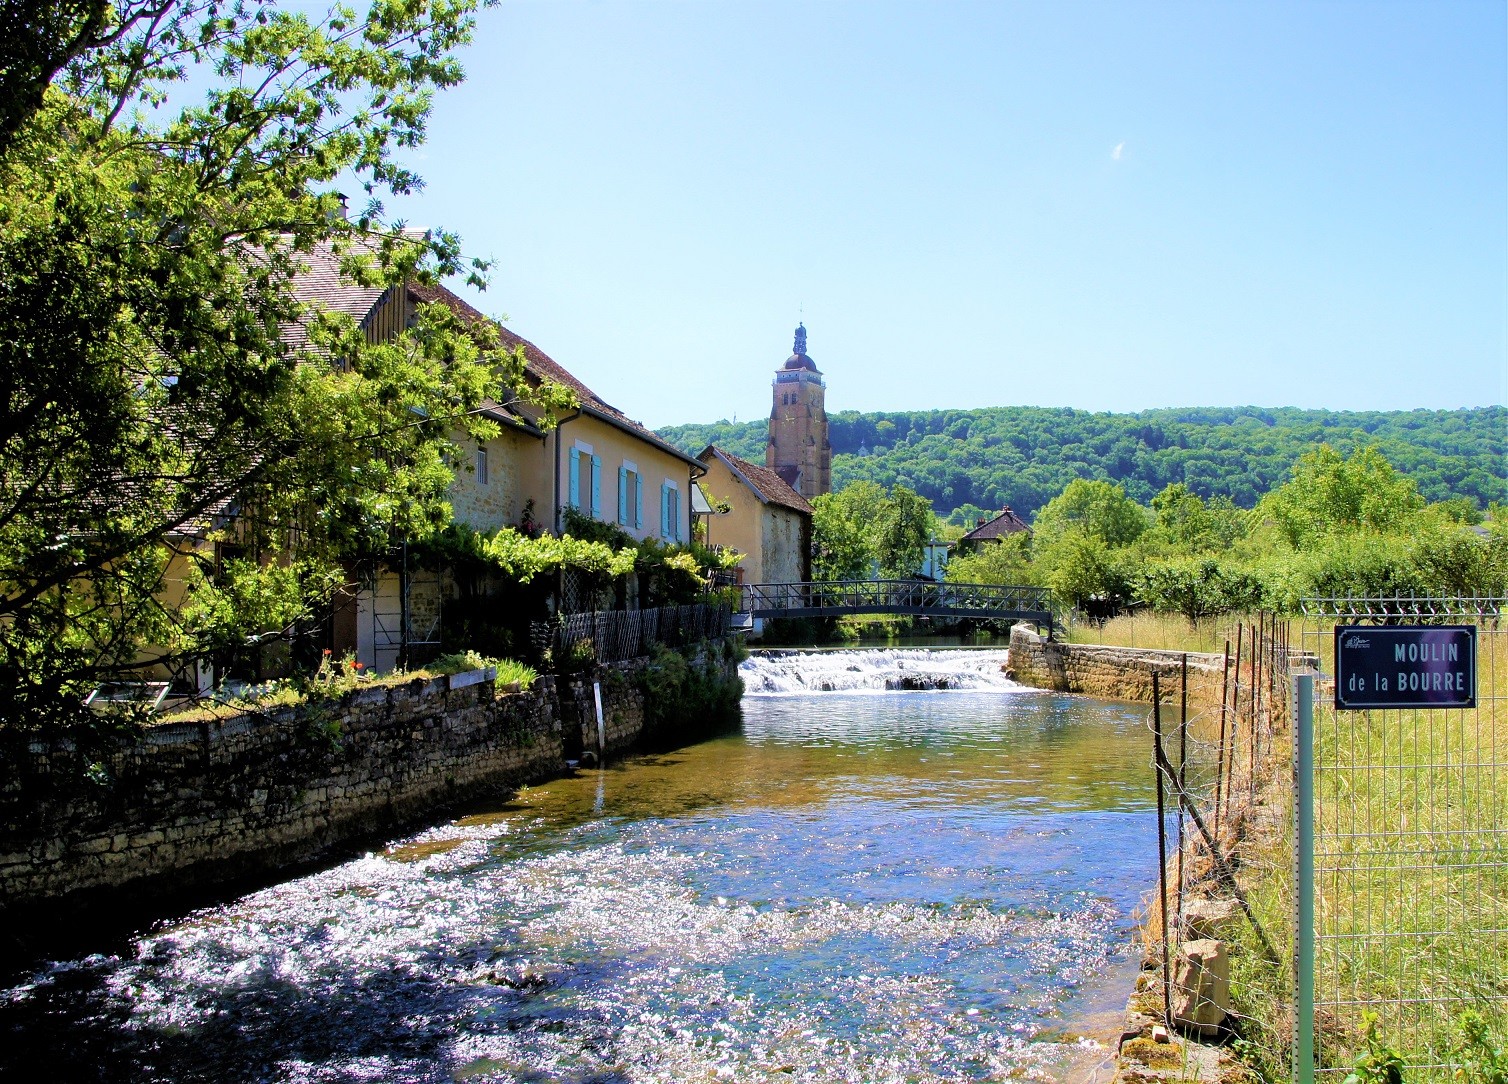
924, 886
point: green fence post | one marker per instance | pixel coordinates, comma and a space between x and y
1303, 809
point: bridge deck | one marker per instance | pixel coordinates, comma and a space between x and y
953, 600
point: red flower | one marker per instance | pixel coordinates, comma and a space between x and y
327, 652
359, 666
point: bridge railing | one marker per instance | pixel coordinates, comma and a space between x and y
901, 596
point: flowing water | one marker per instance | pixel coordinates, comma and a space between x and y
856, 886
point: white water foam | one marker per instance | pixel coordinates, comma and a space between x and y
874, 669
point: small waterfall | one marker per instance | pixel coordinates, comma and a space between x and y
875, 669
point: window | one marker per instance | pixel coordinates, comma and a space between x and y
583, 462
630, 496
670, 511
481, 465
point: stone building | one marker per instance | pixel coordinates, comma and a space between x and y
766, 520
798, 449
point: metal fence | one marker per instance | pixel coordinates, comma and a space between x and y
1214, 732
618, 635
824, 598
1410, 852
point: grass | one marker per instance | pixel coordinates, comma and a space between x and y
335, 678
1160, 631
1411, 883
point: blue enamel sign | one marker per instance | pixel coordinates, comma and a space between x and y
1405, 666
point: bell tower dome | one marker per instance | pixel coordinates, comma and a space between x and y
798, 448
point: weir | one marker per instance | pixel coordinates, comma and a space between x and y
775, 671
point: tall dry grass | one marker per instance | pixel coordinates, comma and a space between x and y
1160, 631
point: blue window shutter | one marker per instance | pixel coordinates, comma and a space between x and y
596, 487
638, 502
574, 499
664, 511
623, 495
675, 511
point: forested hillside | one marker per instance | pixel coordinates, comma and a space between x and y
970, 461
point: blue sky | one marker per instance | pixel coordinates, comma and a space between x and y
1097, 205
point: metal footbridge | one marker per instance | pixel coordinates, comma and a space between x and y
839, 598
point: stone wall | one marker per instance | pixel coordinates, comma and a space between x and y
1113, 673
194, 805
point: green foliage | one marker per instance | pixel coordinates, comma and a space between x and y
1095, 510
523, 558
673, 572
511, 672
1008, 560
970, 463
1338, 527
1185, 521
680, 695
1483, 1056
1197, 586
1330, 494
152, 407
1379, 1063
460, 662
1081, 569
840, 532
901, 531
1079, 543
580, 657
861, 527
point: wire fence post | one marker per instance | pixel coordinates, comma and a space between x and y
1183, 761
1158, 759
1303, 768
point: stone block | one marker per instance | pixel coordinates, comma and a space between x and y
1205, 918
1201, 986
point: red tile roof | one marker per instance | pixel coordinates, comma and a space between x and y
1007, 522
543, 367
768, 486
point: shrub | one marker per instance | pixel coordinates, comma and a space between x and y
458, 662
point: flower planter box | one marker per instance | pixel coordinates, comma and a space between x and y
467, 678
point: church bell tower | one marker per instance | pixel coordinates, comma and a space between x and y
798, 448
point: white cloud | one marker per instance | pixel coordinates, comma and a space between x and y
1119, 147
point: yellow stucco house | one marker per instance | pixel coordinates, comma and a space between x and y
596, 459
767, 521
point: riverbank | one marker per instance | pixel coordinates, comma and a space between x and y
189, 808
1114, 673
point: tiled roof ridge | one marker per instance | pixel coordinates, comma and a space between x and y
541, 365
1006, 521
766, 484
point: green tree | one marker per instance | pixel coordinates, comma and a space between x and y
842, 536
901, 532
1097, 510
862, 528
1187, 523
152, 401
1197, 587
1080, 568
1006, 561
1330, 494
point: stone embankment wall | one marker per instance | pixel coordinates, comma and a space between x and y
199, 804
1113, 673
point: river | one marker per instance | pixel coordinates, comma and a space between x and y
858, 885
